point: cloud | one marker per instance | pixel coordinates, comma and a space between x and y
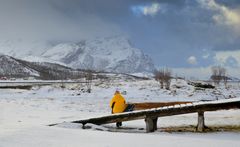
192, 60
223, 15
51, 20
232, 62
228, 58
205, 56
179, 27
148, 10
151, 10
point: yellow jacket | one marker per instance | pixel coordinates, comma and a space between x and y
118, 103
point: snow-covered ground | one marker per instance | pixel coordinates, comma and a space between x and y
25, 115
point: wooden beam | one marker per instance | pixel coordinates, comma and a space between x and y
155, 123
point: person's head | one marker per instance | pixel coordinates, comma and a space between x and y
117, 92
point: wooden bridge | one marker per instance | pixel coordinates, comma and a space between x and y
151, 115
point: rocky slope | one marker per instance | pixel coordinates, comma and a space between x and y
12, 68
15, 68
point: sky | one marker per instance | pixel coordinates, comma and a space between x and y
193, 34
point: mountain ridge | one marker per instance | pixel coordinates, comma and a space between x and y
112, 54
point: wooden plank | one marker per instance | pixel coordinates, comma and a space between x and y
149, 105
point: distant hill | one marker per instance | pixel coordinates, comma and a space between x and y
16, 68
12, 67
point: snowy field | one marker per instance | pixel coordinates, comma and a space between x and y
25, 115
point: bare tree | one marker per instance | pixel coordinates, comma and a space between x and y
225, 78
89, 78
218, 74
158, 75
163, 76
214, 77
167, 78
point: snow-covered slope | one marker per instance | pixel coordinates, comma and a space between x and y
22, 48
26, 114
110, 54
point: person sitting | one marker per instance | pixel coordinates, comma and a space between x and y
118, 105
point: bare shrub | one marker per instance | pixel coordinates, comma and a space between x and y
225, 81
163, 76
158, 75
89, 78
218, 74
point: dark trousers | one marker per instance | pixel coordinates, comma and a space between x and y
129, 108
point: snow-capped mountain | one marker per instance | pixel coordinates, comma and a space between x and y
113, 54
109, 54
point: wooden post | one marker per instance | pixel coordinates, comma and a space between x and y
151, 124
83, 125
155, 123
201, 124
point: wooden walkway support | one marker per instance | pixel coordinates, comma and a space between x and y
201, 123
151, 115
151, 124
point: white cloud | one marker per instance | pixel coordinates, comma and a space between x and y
224, 16
223, 57
152, 9
192, 60
205, 56
148, 10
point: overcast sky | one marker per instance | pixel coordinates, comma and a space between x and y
175, 33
